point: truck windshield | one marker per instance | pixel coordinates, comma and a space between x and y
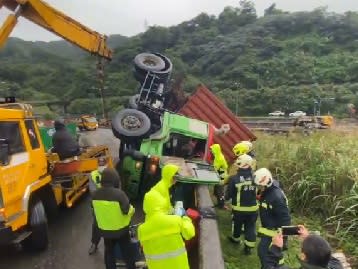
183, 146
94, 120
10, 130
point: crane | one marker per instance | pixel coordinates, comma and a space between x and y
56, 22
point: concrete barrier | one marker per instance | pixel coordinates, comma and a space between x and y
210, 253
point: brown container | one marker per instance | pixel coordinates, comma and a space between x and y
204, 105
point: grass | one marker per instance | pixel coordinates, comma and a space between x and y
233, 254
319, 174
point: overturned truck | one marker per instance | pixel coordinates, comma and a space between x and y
153, 134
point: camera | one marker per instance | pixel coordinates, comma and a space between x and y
290, 230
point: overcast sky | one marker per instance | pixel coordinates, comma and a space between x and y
127, 17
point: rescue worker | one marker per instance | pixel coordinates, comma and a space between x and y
161, 235
165, 183
251, 153
94, 184
316, 252
221, 167
273, 209
242, 192
63, 143
113, 214
187, 150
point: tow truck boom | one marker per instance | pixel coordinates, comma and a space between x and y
56, 22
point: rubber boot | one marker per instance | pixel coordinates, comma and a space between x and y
247, 250
92, 250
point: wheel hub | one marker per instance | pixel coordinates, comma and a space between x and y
131, 122
149, 62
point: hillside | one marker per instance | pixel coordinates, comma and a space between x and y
281, 61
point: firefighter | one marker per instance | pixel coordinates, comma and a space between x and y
221, 167
63, 143
162, 236
273, 209
113, 214
165, 183
242, 192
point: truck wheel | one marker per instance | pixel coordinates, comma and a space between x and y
133, 101
38, 240
130, 123
149, 62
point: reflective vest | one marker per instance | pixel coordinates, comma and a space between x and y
245, 190
109, 215
162, 239
96, 178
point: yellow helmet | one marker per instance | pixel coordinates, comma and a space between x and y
249, 144
240, 148
244, 161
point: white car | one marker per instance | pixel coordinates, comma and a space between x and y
297, 114
277, 113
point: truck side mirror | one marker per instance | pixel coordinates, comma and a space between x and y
4, 152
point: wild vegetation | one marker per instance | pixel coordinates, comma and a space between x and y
320, 175
281, 61
320, 178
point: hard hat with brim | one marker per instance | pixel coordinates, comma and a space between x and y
263, 177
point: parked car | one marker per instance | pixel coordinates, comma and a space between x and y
277, 113
297, 114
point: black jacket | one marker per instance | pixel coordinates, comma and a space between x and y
273, 208
117, 195
242, 185
275, 255
64, 144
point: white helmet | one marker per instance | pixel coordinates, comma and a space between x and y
263, 177
244, 161
249, 144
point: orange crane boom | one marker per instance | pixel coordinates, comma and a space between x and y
56, 22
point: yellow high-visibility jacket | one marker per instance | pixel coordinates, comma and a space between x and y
161, 235
162, 187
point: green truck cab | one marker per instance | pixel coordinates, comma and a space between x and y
180, 140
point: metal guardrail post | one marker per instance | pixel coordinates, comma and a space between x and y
210, 253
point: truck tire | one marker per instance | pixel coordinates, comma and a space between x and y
133, 101
149, 62
162, 75
38, 240
129, 123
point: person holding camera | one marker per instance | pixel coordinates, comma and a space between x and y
316, 252
273, 210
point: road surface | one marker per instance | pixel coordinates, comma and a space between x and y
69, 233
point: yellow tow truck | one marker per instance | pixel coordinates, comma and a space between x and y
87, 122
32, 182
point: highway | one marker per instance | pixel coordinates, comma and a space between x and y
69, 233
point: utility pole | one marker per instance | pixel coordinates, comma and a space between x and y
317, 104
